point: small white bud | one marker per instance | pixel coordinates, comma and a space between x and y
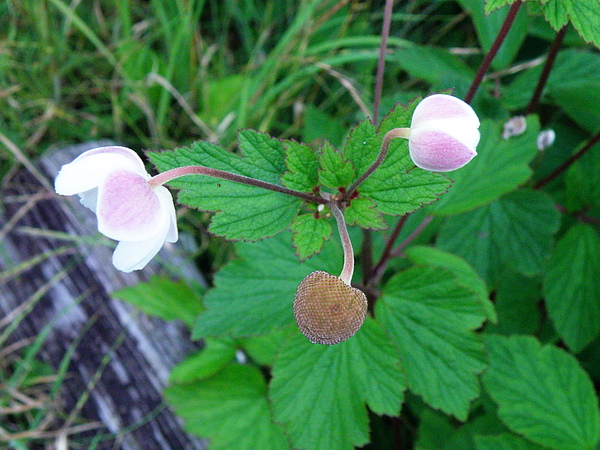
514, 127
545, 139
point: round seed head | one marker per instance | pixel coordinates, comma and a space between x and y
327, 310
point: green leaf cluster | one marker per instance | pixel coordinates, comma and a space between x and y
251, 213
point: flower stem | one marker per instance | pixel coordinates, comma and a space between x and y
170, 175
564, 166
385, 145
385, 32
510, 17
554, 48
348, 268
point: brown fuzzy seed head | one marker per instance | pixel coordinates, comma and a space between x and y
327, 310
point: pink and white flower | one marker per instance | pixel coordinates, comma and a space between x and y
443, 134
113, 182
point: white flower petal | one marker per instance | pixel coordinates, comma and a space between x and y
456, 128
166, 201
129, 256
129, 208
441, 106
89, 169
89, 199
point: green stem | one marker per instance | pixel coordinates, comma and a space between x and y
169, 175
510, 17
348, 268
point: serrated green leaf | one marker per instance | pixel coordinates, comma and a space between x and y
572, 286
505, 441
230, 408
556, 13
362, 146
310, 233
254, 293
363, 369
499, 167
542, 393
397, 186
399, 117
241, 212
164, 298
216, 354
465, 273
516, 230
335, 171
491, 5
584, 15
431, 317
363, 213
302, 166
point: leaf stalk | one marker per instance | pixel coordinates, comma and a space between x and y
169, 175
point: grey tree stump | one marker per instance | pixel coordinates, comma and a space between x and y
121, 358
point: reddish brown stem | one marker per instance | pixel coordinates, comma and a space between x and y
385, 256
385, 32
510, 18
564, 166
165, 177
554, 48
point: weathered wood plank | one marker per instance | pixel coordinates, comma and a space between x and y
121, 357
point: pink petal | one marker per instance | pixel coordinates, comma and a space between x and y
129, 256
128, 208
89, 169
438, 151
441, 106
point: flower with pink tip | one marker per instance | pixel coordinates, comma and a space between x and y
113, 182
443, 133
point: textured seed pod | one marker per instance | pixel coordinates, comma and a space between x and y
327, 310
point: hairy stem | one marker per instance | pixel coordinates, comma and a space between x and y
554, 48
385, 145
348, 269
510, 17
564, 166
170, 175
385, 32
